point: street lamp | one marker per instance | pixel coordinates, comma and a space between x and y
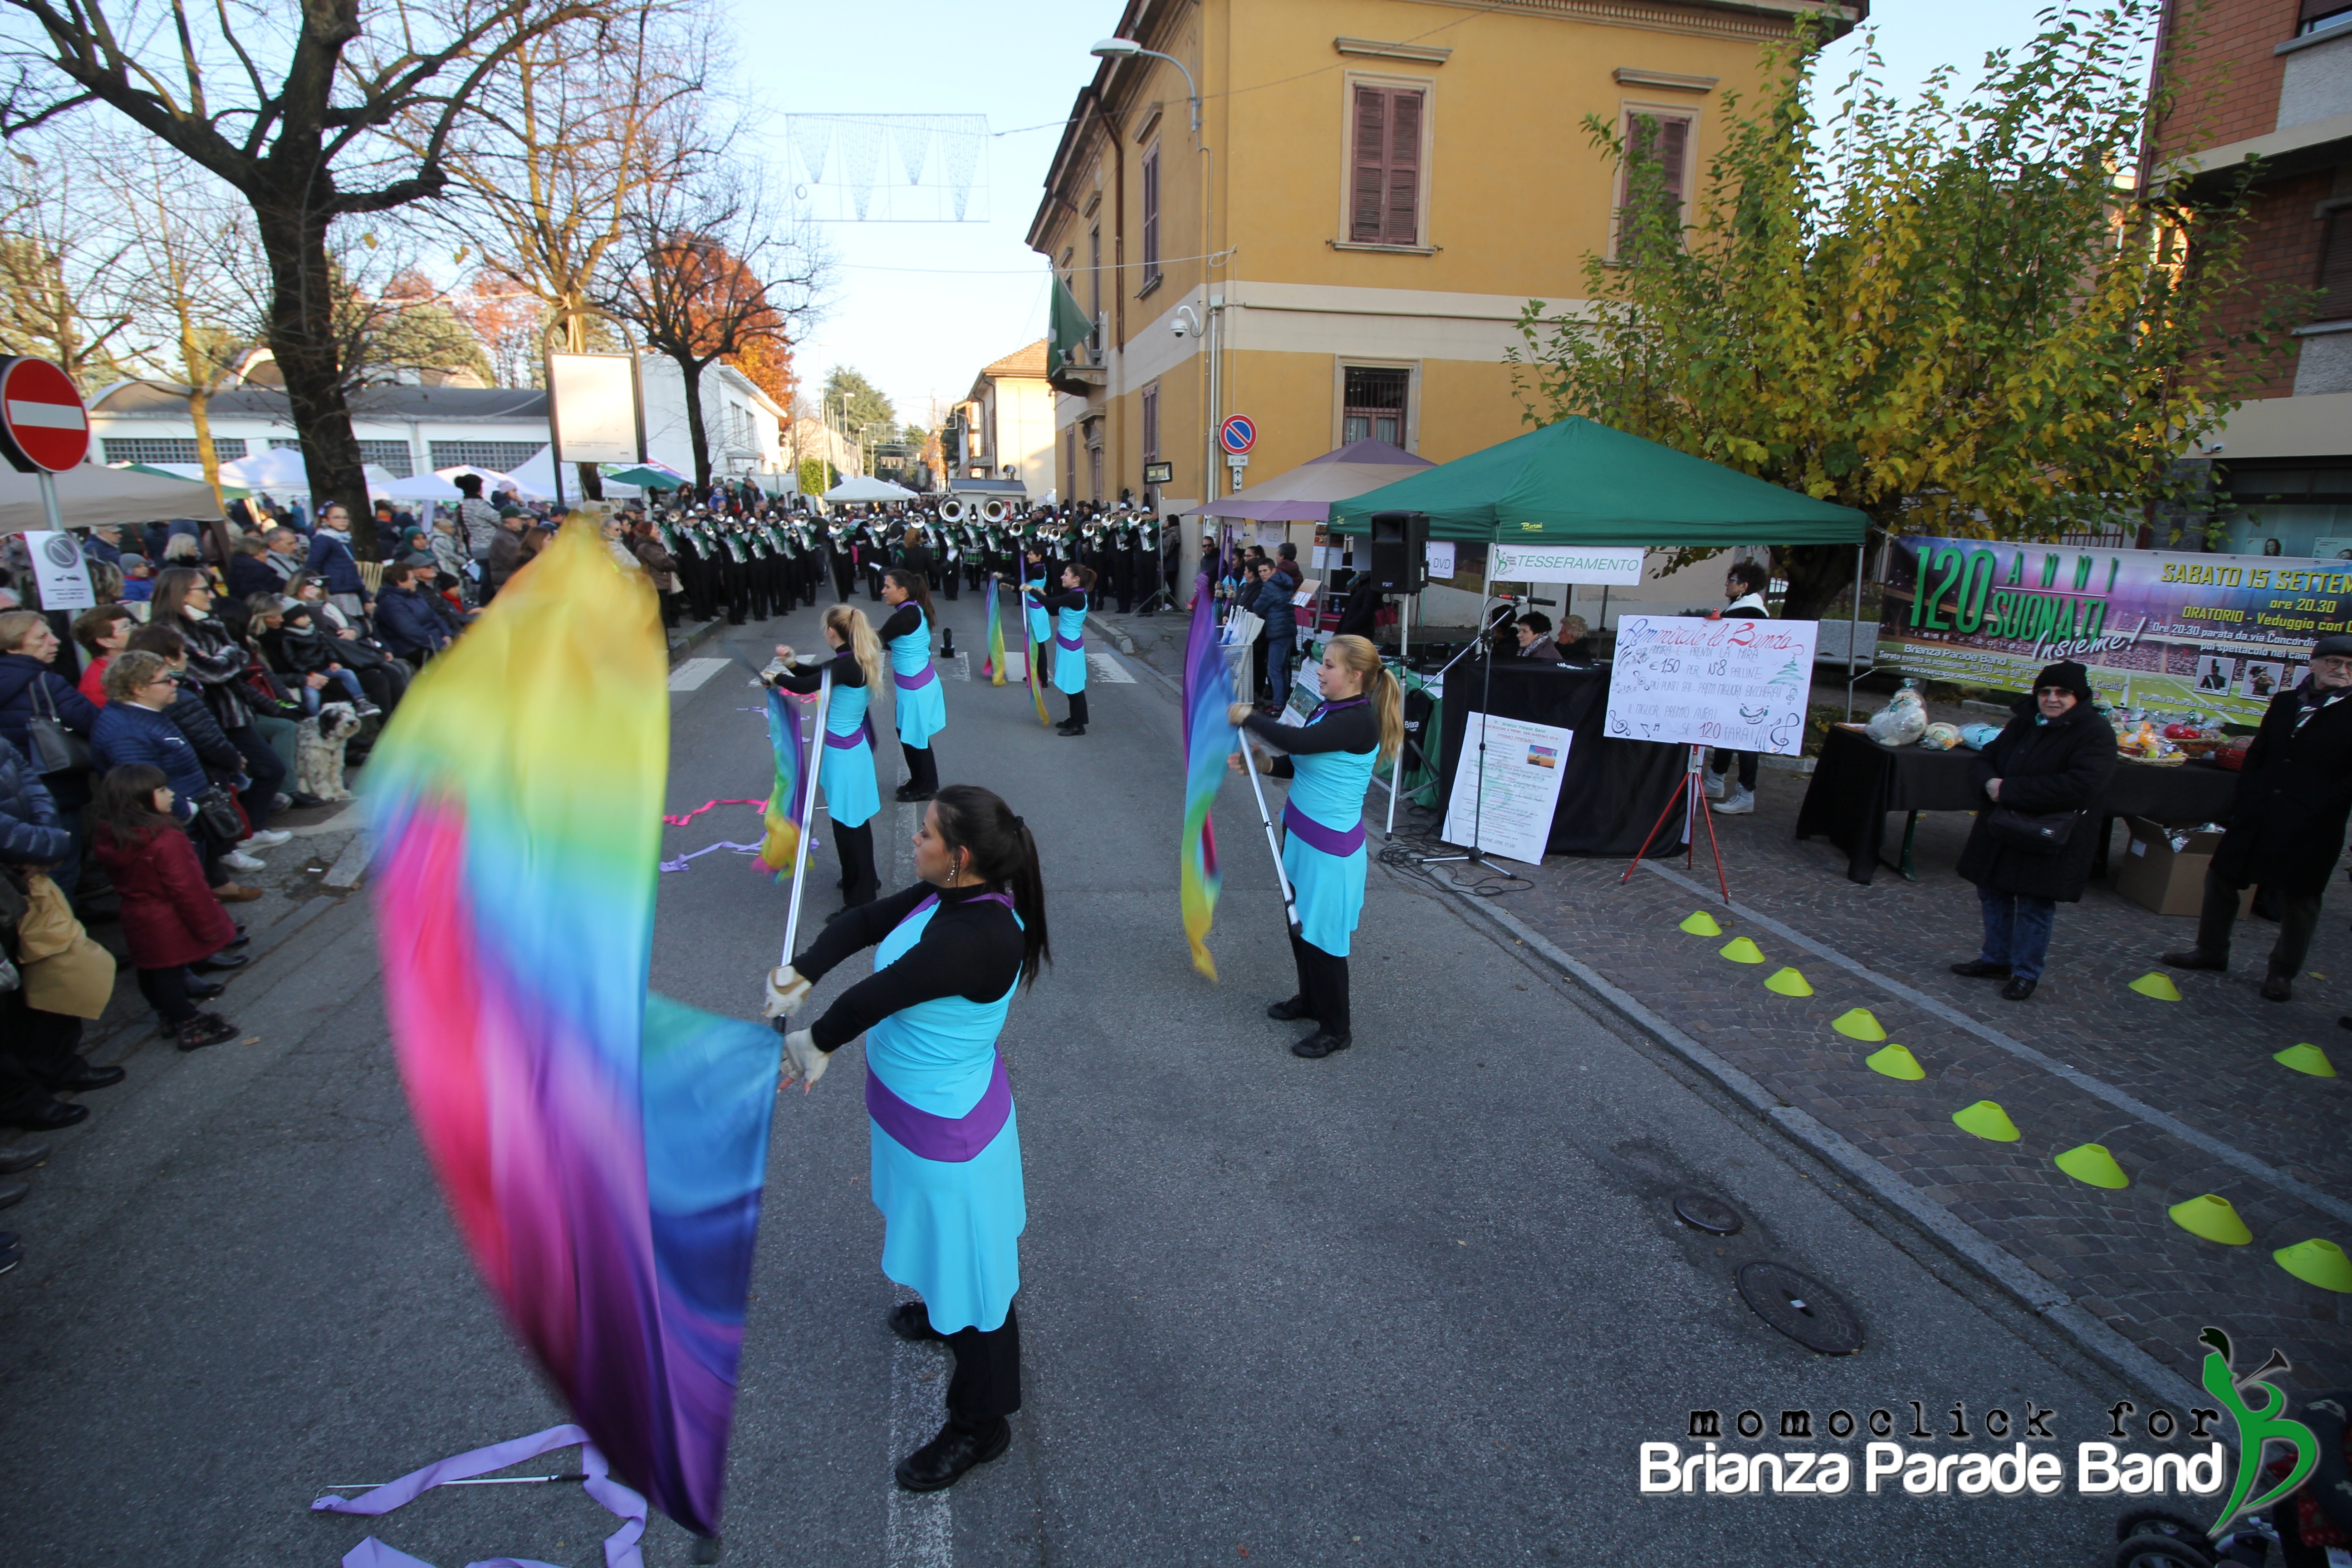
1128, 49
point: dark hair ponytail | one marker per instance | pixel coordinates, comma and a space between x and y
918, 589
976, 821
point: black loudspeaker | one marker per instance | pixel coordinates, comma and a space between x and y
1400, 550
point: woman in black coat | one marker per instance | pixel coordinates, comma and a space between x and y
2056, 755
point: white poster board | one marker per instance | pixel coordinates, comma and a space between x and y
592, 408
1737, 684
59, 567
1506, 807
1567, 563
1439, 558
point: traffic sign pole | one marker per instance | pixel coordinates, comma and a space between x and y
50, 502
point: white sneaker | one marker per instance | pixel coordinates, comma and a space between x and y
269, 840
1714, 786
238, 860
1739, 803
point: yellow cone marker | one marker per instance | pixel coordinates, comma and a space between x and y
1896, 1061
2318, 1262
1858, 1024
2306, 1058
1787, 983
1701, 923
1739, 950
1989, 1121
2211, 1217
2157, 985
2093, 1165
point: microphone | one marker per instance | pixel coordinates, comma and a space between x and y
1527, 601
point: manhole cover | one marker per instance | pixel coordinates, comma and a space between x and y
1712, 1216
1805, 1310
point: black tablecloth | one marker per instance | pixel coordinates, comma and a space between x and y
1611, 791
1857, 781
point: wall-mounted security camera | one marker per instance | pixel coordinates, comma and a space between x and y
1186, 324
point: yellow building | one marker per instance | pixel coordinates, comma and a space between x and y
1373, 193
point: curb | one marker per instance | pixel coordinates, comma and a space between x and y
2044, 1300
694, 639
1125, 643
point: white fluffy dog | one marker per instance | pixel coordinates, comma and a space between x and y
318, 750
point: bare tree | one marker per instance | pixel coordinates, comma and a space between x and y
63, 279
704, 273
347, 120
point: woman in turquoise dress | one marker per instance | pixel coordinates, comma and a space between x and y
846, 771
922, 705
949, 953
1068, 609
1329, 762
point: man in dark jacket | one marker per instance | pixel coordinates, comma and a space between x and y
504, 557
2056, 756
1273, 603
38, 1051
414, 625
249, 571
2286, 828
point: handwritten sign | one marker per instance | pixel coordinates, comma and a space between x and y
1736, 684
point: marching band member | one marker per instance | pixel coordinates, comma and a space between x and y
949, 953
847, 771
1069, 609
1331, 763
922, 707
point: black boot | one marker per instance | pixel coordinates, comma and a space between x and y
941, 1462
1284, 1012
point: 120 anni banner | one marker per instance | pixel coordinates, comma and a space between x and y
2160, 629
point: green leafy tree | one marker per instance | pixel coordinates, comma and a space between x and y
1955, 314
867, 403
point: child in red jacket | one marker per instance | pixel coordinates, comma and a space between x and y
169, 918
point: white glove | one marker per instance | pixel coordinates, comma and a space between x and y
787, 992
803, 1059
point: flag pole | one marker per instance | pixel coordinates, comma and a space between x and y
808, 817
1249, 766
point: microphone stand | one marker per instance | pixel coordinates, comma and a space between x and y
1486, 629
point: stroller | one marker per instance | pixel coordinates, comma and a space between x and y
2306, 1524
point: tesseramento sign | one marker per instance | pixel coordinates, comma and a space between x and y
2159, 629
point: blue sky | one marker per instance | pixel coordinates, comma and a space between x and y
920, 307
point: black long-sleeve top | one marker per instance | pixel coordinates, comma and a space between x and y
802, 679
1356, 729
971, 949
1066, 599
901, 624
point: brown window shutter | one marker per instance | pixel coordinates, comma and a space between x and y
1370, 173
1402, 221
2335, 302
1151, 216
1673, 146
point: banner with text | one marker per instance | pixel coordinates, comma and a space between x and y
2159, 629
1738, 683
1567, 563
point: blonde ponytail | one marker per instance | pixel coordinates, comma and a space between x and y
857, 632
1379, 687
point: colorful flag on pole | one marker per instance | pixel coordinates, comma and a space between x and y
602, 1149
785, 801
1209, 739
993, 666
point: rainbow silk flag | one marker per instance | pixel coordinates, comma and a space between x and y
1209, 739
993, 666
786, 801
602, 1149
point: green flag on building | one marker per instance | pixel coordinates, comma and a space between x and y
1070, 327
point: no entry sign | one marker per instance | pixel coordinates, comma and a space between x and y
1237, 435
43, 425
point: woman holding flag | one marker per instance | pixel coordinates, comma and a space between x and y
1069, 609
949, 953
846, 773
1331, 760
921, 706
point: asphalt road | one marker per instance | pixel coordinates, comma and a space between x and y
1417, 1303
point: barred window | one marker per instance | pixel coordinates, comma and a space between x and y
1374, 406
394, 458
167, 449
499, 457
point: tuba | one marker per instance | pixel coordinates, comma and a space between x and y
952, 509
994, 511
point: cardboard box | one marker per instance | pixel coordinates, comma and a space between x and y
2153, 875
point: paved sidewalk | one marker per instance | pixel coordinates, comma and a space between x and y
2185, 1094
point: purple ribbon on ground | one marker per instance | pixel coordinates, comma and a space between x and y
915, 682
1318, 836
620, 1547
679, 864
945, 1138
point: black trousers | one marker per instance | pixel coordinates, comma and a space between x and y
1746, 760
2297, 923
922, 767
855, 846
845, 577
985, 1387
1078, 708
166, 991
263, 767
38, 1051
1322, 984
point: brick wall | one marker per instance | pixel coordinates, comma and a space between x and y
2282, 251
2218, 56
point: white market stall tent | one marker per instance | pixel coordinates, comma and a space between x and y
94, 497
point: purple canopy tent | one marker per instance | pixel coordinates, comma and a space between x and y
1305, 494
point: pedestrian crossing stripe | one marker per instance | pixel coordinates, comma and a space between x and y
963, 667
691, 675
1107, 668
